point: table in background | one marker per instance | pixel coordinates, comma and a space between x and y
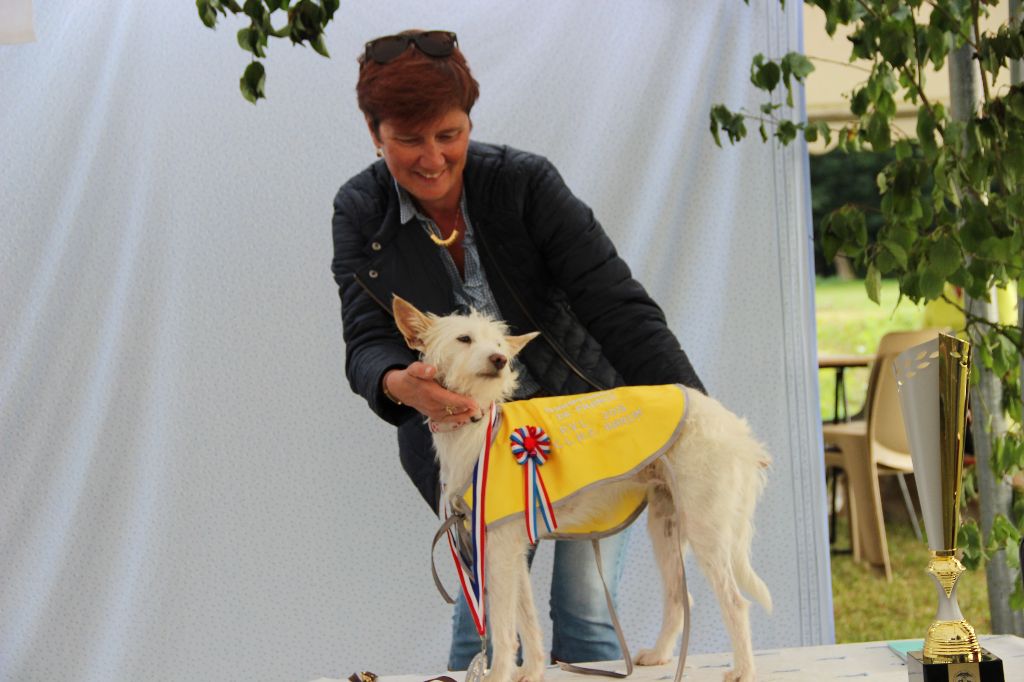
840, 363
868, 660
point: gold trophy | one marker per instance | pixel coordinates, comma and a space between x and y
933, 383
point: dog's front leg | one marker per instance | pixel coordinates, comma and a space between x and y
529, 634
506, 563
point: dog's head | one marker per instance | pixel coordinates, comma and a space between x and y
472, 353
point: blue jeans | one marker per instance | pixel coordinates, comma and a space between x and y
582, 628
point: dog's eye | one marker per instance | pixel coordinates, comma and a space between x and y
465, 339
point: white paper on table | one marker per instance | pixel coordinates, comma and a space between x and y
16, 22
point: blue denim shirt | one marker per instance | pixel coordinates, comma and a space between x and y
473, 292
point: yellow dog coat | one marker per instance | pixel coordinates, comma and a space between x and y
595, 438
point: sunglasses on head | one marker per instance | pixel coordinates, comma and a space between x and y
431, 43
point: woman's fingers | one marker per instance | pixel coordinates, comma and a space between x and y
421, 391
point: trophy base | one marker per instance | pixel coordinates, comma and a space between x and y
988, 669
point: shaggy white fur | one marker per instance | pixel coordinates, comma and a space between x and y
701, 492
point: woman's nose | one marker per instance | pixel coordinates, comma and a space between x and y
433, 155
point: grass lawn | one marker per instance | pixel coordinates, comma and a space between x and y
866, 607
849, 323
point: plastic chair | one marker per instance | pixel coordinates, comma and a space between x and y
876, 446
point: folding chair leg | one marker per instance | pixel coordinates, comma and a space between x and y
910, 505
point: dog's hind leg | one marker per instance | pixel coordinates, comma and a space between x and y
664, 528
530, 636
716, 561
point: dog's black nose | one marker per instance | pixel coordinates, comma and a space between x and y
499, 361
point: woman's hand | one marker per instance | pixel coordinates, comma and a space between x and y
416, 387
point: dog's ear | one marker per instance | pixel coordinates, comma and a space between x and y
516, 343
411, 322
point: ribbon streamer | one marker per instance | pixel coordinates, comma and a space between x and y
531, 447
472, 580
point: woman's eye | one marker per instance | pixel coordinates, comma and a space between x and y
464, 339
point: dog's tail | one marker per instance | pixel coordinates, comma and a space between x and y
752, 584
747, 579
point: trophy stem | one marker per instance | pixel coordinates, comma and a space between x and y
950, 637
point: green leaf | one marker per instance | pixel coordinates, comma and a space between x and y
897, 251
873, 283
895, 43
800, 65
1015, 101
926, 129
859, 102
938, 45
769, 75
255, 10
245, 40
1004, 532
878, 132
320, 46
903, 149
824, 131
885, 104
931, 284
1017, 596
944, 256
251, 82
969, 539
206, 13
786, 132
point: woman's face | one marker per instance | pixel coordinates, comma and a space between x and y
427, 160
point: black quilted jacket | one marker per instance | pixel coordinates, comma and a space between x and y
549, 263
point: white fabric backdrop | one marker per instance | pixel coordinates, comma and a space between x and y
188, 490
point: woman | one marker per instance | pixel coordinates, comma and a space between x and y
449, 224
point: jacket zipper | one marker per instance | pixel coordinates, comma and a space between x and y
372, 295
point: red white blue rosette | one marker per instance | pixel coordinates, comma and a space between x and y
531, 447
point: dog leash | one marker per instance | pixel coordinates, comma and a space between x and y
569, 667
685, 645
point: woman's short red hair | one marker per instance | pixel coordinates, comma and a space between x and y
415, 88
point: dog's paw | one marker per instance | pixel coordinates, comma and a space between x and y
739, 676
652, 657
529, 673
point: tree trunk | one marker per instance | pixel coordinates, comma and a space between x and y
995, 496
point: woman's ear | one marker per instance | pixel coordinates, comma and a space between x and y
373, 132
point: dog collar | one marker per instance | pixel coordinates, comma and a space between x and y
447, 427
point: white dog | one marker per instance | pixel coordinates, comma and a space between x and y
716, 468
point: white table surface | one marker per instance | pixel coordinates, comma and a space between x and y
870, 660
